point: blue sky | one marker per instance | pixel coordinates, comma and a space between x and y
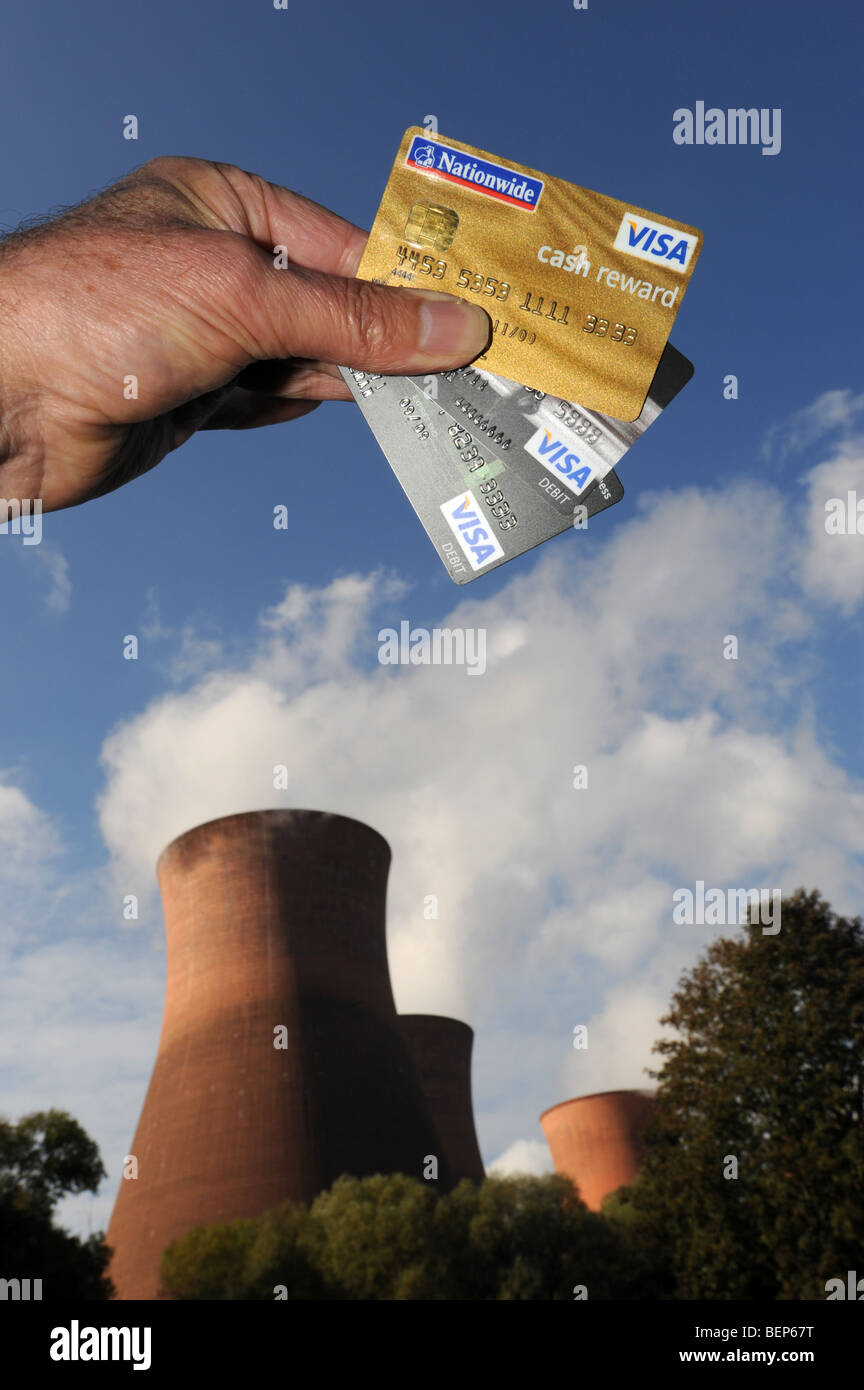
720, 531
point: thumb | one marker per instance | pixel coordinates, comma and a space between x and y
332, 318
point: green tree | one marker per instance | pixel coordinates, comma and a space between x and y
532, 1238
284, 1253
394, 1238
764, 1076
44, 1157
248, 1259
373, 1237
209, 1262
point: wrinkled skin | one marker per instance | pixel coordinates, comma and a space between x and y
169, 277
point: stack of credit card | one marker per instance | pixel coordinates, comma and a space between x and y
582, 291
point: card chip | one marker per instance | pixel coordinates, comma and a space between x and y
430, 224
585, 322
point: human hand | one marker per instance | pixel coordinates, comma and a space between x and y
155, 309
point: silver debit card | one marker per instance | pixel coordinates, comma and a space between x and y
562, 447
477, 510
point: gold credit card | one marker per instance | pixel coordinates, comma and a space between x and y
582, 289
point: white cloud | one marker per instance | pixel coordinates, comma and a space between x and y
80, 1024
60, 592
554, 904
832, 562
315, 634
832, 412
621, 1037
523, 1156
79, 1007
27, 837
194, 653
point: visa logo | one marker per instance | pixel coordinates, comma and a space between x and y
652, 241
472, 530
559, 458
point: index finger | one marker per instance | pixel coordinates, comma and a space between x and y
316, 238
229, 197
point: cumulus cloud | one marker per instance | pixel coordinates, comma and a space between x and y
834, 412
523, 1156
621, 1037
79, 1011
28, 839
48, 565
55, 564
833, 554
192, 651
831, 540
554, 903
80, 1021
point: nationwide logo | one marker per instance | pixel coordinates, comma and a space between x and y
472, 530
652, 241
555, 454
495, 180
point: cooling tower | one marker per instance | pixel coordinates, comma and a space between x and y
274, 921
596, 1140
441, 1049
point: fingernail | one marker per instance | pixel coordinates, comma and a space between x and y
449, 328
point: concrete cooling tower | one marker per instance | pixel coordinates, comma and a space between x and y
597, 1140
441, 1049
275, 934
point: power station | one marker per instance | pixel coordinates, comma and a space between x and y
282, 1062
441, 1051
597, 1140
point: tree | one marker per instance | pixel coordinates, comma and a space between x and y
531, 1239
44, 1157
394, 1238
373, 1237
363, 1239
247, 1259
283, 1254
764, 1080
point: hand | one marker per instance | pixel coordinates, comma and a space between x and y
155, 309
